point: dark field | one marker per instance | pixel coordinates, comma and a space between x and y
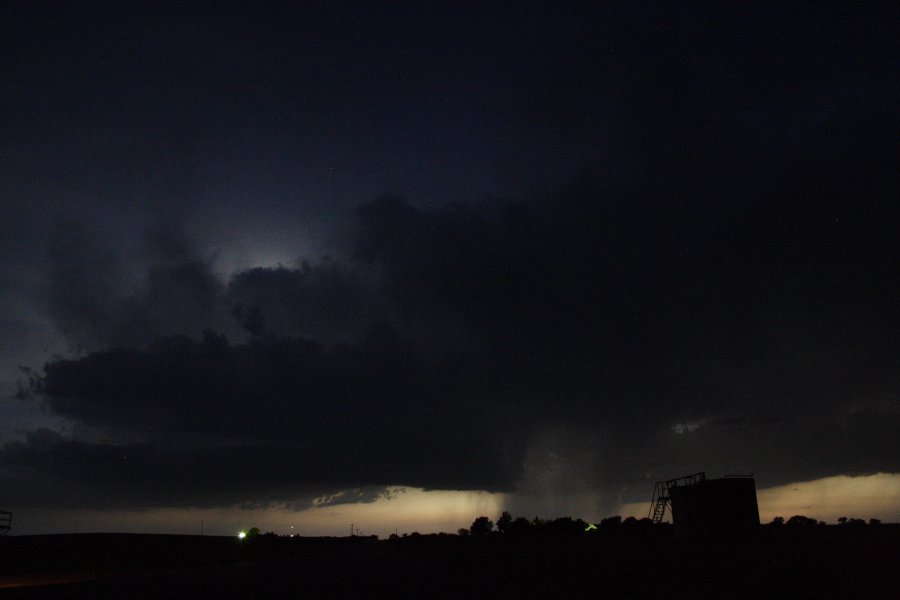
832, 562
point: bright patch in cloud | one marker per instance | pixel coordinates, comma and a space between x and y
688, 426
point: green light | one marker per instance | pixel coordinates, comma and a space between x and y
242, 535
590, 527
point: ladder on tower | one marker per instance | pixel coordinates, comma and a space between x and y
661, 498
659, 502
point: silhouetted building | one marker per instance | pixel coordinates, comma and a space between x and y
707, 507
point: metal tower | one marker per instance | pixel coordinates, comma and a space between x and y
661, 498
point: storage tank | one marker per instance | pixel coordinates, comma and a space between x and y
708, 507
715, 506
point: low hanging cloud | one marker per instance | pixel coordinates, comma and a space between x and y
268, 418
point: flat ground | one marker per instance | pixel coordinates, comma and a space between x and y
828, 562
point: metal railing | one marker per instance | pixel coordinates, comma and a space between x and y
660, 500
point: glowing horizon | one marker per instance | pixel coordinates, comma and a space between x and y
875, 496
410, 510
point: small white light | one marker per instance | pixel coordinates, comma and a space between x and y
242, 535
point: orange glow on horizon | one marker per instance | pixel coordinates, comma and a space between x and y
413, 509
864, 497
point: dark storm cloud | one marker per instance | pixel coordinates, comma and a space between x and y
327, 300
281, 415
99, 297
83, 283
716, 288
663, 339
128, 475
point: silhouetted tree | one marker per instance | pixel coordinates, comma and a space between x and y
462, 531
520, 526
801, 521
564, 525
633, 523
777, 521
611, 522
538, 522
253, 532
874, 522
504, 522
482, 526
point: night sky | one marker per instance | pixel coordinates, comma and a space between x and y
271, 261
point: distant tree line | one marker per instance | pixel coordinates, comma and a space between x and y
802, 521
507, 525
